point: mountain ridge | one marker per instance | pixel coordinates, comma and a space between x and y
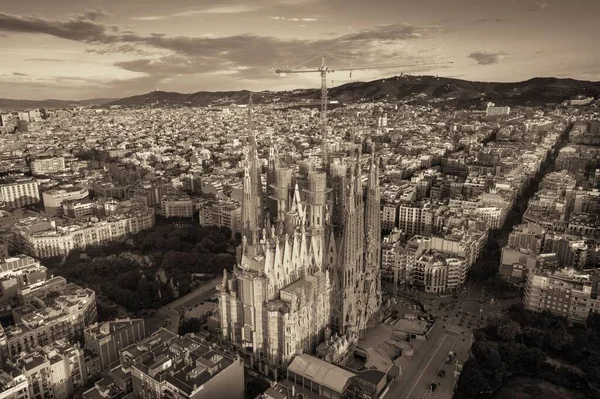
535, 91
408, 88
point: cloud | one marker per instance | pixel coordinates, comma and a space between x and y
231, 9
393, 33
19, 74
119, 48
79, 28
488, 58
228, 9
240, 56
486, 20
539, 6
94, 15
294, 19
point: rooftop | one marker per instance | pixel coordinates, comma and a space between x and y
321, 372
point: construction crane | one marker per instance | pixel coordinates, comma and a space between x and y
323, 70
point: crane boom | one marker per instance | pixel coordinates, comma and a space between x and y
323, 70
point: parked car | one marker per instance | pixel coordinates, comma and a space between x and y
433, 386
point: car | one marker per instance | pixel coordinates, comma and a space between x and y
441, 373
433, 386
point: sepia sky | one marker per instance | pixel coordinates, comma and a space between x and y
77, 49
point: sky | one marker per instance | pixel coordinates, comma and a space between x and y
81, 49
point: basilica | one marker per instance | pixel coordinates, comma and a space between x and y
309, 262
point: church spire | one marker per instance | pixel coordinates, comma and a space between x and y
252, 208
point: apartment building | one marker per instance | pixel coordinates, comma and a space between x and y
220, 213
17, 272
565, 292
20, 192
53, 199
13, 383
67, 309
165, 365
51, 240
43, 166
106, 340
409, 219
55, 371
181, 206
389, 214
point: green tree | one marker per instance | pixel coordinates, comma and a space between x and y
472, 381
191, 325
173, 244
509, 330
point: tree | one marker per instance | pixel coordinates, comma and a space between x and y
532, 359
509, 330
593, 322
173, 244
472, 381
191, 325
159, 242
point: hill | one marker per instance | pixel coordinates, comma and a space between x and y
15, 105
431, 89
407, 88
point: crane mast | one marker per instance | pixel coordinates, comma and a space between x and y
324, 105
323, 70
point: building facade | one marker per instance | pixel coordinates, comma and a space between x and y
165, 365
67, 309
221, 213
60, 240
43, 166
19, 193
181, 206
55, 371
107, 339
564, 292
54, 199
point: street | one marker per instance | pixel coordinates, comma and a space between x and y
456, 318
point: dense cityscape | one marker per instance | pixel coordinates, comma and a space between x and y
299, 199
391, 258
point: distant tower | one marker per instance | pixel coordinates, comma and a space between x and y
252, 209
271, 172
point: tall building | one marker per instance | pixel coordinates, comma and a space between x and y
13, 383
42, 166
40, 237
20, 192
409, 219
106, 340
49, 312
165, 365
181, 206
17, 272
388, 216
311, 265
53, 199
564, 292
55, 371
226, 213
492, 110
